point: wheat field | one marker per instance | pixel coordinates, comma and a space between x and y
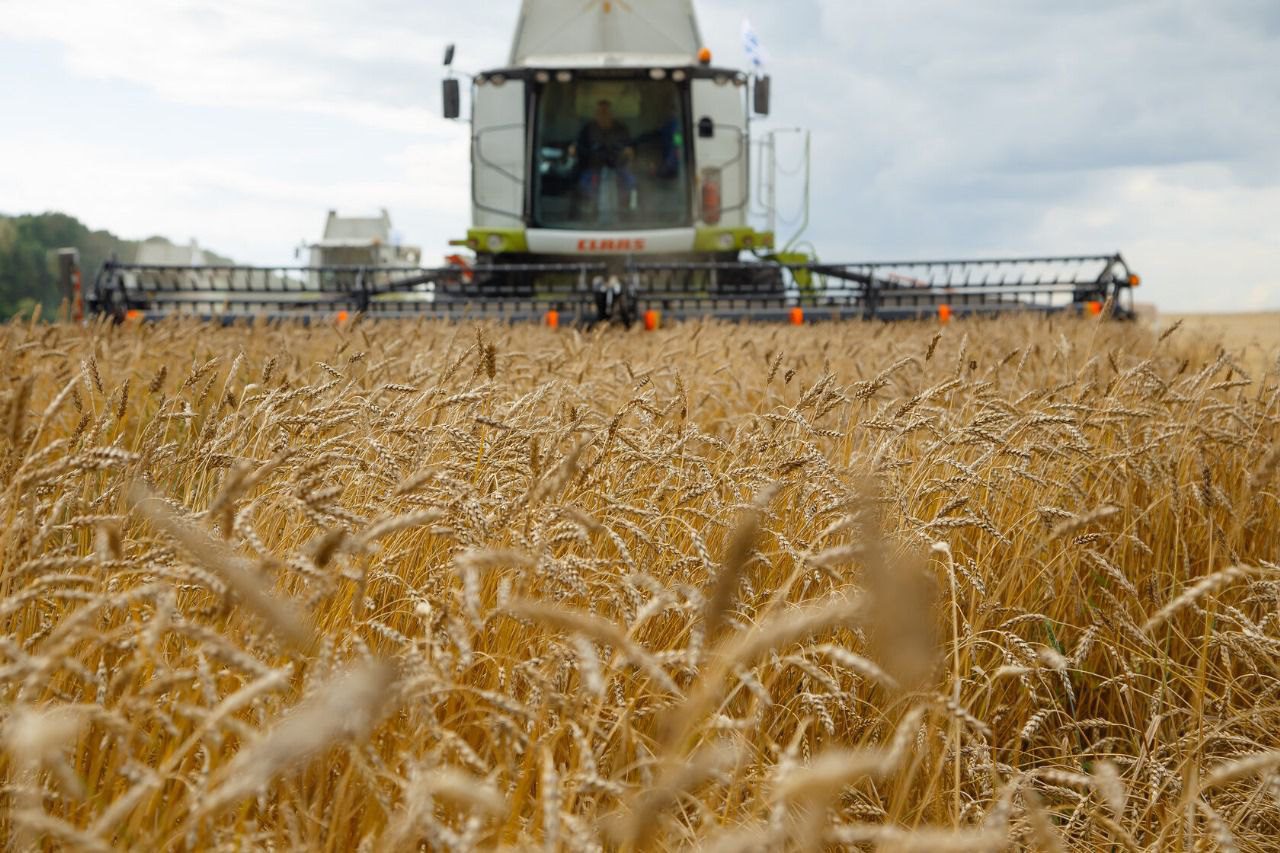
999, 585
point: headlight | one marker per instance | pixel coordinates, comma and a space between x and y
726, 241
494, 242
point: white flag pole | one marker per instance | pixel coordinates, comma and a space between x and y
751, 45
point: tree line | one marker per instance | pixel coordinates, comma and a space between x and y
29, 245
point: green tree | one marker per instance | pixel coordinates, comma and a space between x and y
29, 246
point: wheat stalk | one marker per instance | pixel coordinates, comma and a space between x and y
426, 585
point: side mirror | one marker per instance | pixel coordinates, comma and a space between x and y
706, 128
452, 98
448, 56
761, 96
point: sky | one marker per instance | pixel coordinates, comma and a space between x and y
939, 128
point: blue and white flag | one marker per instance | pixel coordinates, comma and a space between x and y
751, 44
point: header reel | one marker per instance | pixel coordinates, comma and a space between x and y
587, 293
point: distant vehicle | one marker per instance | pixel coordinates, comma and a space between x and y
367, 242
360, 241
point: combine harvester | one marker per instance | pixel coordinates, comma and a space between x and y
614, 177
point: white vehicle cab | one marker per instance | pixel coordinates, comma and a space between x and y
610, 133
611, 180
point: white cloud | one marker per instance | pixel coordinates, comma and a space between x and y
252, 65
230, 207
1264, 297
322, 57
1202, 241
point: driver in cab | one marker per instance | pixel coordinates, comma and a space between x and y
605, 143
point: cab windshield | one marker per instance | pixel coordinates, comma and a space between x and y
611, 154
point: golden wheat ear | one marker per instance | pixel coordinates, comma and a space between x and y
406, 585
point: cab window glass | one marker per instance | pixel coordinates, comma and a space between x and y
611, 154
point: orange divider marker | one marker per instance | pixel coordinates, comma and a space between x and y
133, 314
944, 314
1093, 307
797, 316
342, 318
553, 319
652, 319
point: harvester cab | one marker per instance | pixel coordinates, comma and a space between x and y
610, 135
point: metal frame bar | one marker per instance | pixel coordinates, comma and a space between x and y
761, 290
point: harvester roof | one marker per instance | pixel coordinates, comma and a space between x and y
605, 33
356, 230
161, 252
